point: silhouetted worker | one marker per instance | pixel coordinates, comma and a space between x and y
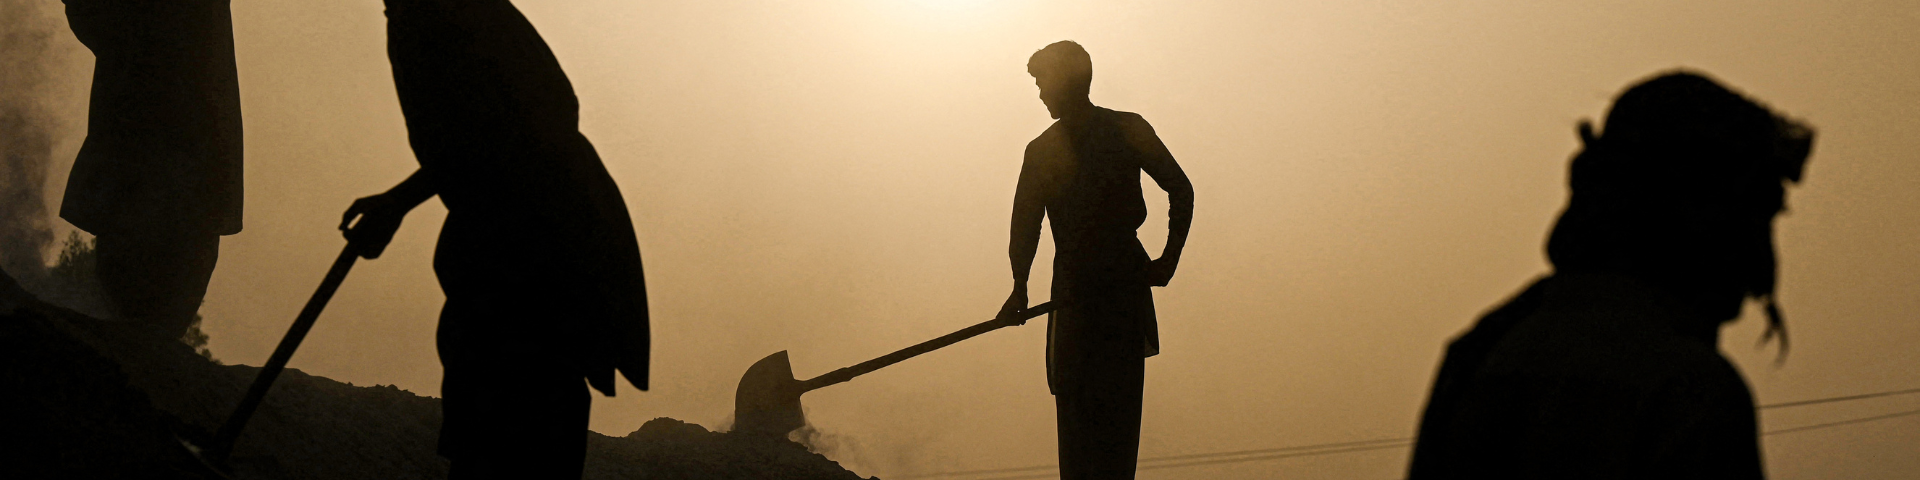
1610, 368
1083, 174
158, 180
538, 256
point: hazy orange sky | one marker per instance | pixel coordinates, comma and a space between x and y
834, 177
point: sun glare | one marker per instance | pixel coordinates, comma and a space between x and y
953, 6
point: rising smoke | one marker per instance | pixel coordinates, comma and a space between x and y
35, 81
28, 61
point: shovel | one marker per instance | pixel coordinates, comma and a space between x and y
215, 454
767, 404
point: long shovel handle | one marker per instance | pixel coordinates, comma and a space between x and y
230, 431
862, 368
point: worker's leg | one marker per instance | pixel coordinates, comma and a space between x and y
1099, 424
156, 281
1099, 353
532, 426
513, 409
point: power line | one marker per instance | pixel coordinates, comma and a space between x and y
1842, 399
1279, 456
1400, 443
1320, 446
1844, 422
1214, 458
1274, 450
1403, 444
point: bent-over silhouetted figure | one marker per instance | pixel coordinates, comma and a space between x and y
1083, 174
1609, 368
158, 180
538, 256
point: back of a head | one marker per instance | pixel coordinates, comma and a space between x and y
1681, 187
1064, 64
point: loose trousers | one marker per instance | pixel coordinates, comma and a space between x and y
156, 280
1097, 349
515, 406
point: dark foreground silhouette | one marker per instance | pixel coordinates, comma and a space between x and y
1083, 174
1609, 368
158, 180
538, 257
82, 399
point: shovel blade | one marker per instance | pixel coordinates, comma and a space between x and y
767, 402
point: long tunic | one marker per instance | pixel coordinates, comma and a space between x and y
163, 149
535, 223
1586, 376
1083, 175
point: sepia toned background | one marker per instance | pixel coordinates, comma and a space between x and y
833, 178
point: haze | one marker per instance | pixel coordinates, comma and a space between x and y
833, 178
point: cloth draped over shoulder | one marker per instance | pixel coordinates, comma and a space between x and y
164, 150
534, 218
1585, 376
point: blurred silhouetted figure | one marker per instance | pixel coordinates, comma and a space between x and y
538, 256
1083, 174
158, 181
1610, 368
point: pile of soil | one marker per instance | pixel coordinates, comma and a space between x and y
665, 448
86, 398
69, 412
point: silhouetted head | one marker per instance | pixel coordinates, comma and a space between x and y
1064, 73
1680, 190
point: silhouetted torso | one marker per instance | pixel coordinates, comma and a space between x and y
538, 256
493, 120
163, 149
1084, 174
1587, 376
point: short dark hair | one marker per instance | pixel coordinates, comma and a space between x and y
1064, 62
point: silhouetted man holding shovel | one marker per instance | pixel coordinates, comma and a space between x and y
538, 257
1083, 174
158, 180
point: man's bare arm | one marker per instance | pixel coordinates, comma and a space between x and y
1024, 237
1160, 165
416, 189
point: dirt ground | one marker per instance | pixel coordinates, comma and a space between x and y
82, 398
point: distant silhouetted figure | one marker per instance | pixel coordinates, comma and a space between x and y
1083, 174
158, 180
538, 256
1610, 368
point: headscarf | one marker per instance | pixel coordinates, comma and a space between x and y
1683, 186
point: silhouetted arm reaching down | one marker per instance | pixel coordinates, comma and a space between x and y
380, 214
1024, 241
1159, 164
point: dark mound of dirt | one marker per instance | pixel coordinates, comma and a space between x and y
670, 449
86, 398
69, 412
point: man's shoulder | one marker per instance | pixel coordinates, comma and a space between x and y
1054, 137
1121, 115
1608, 348
1122, 118
1132, 126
